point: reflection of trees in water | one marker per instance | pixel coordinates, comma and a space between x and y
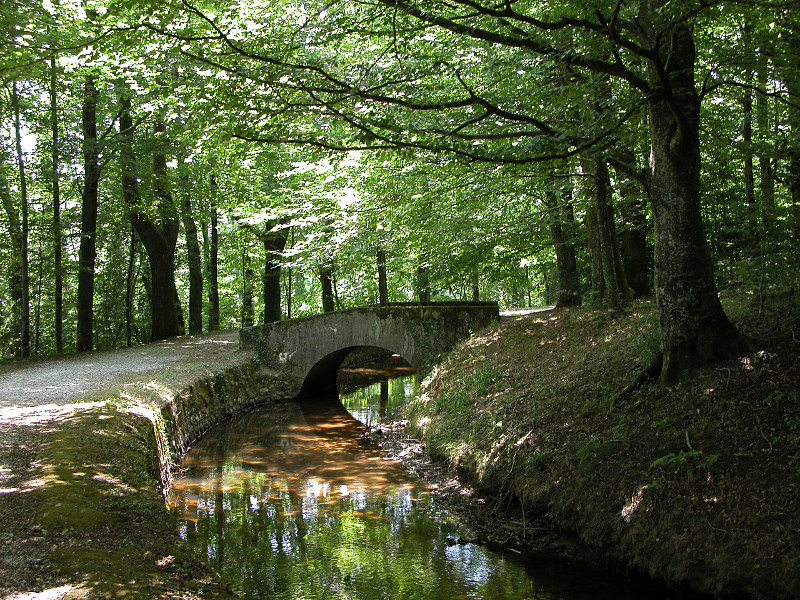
288, 502
293, 504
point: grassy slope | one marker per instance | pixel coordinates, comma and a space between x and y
697, 485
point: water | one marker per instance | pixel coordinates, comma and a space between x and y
288, 502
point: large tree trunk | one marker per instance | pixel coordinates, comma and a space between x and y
694, 328
159, 241
25, 304
560, 215
87, 252
274, 240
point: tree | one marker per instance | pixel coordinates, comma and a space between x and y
158, 233
25, 305
88, 251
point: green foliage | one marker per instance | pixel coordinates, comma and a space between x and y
595, 451
673, 460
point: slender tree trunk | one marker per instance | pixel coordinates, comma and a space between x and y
476, 286
58, 292
87, 252
14, 265
25, 304
604, 247
635, 254
326, 279
213, 281
248, 313
274, 240
195, 266
129, 289
792, 81
383, 285
694, 328
566, 265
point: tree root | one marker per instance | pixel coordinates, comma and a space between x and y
651, 373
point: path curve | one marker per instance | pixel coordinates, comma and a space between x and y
37, 390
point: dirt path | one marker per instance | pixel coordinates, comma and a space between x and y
35, 397
58, 380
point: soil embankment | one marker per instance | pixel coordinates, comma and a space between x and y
696, 486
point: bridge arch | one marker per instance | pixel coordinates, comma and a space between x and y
323, 375
308, 351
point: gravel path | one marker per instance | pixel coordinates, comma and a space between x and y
56, 381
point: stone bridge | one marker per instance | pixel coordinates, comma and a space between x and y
307, 352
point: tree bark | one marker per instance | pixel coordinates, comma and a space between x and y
566, 264
58, 292
195, 266
274, 240
159, 241
694, 327
87, 252
326, 279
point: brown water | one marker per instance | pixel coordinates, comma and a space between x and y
288, 502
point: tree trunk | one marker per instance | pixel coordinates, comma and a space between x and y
25, 304
792, 80
383, 287
566, 265
87, 252
213, 263
694, 328
14, 266
423, 285
604, 247
274, 240
635, 254
195, 267
248, 313
159, 241
58, 292
326, 279
129, 289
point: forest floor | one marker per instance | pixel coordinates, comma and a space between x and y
697, 486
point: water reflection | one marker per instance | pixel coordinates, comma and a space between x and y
288, 502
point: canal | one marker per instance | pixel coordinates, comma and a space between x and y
290, 502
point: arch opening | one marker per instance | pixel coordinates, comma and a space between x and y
323, 379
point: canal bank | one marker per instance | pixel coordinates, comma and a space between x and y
87, 443
696, 486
